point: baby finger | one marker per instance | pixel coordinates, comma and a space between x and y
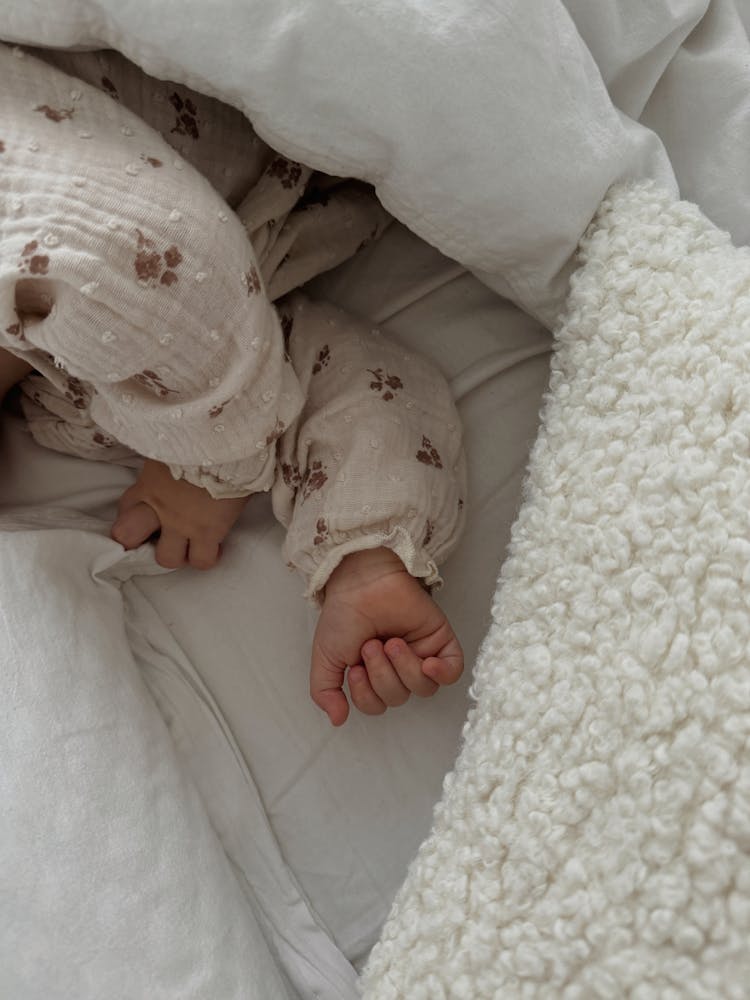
408, 666
362, 694
384, 680
171, 549
135, 525
202, 553
444, 669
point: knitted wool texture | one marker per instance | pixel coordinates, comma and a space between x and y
593, 838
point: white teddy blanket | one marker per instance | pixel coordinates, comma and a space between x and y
594, 837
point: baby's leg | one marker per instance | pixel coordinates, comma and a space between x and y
375, 457
12, 370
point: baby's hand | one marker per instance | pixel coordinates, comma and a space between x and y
378, 621
192, 524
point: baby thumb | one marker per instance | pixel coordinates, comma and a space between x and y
326, 683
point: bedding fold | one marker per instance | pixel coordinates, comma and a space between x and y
445, 109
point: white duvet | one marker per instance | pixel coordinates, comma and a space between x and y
486, 127
493, 130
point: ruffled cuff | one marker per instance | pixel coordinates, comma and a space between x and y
230, 480
316, 568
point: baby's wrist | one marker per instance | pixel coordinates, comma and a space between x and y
359, 569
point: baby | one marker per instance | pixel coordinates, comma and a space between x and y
136, 312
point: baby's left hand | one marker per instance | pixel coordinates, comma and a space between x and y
381, 624
192, 524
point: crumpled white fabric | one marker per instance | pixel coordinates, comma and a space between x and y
113, 881
492, 130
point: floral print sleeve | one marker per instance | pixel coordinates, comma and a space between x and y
374, 458
126, 283
144, 302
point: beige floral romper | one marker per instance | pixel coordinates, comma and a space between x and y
145, 231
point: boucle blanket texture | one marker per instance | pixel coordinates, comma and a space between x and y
593, 839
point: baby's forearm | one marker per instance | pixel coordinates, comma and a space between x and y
12, 370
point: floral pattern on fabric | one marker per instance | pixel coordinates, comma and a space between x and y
186, 121
314, 479
31, 262
189, 365
323, 359
56, 115
276, 433
104, 440
428, 454
385, 383
251, 281
291, 475
151, 380
321, 531
287, 171
76, 393
153, 268
216, 411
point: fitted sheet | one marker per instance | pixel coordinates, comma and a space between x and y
348, 808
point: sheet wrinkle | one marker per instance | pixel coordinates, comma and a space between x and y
419, 291
293, 929
484, 369
721, 20
633, 41
304, 764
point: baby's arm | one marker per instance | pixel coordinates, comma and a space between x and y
370, 482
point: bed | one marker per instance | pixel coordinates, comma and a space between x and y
180, 821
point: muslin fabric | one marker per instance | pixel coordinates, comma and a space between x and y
144, 302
